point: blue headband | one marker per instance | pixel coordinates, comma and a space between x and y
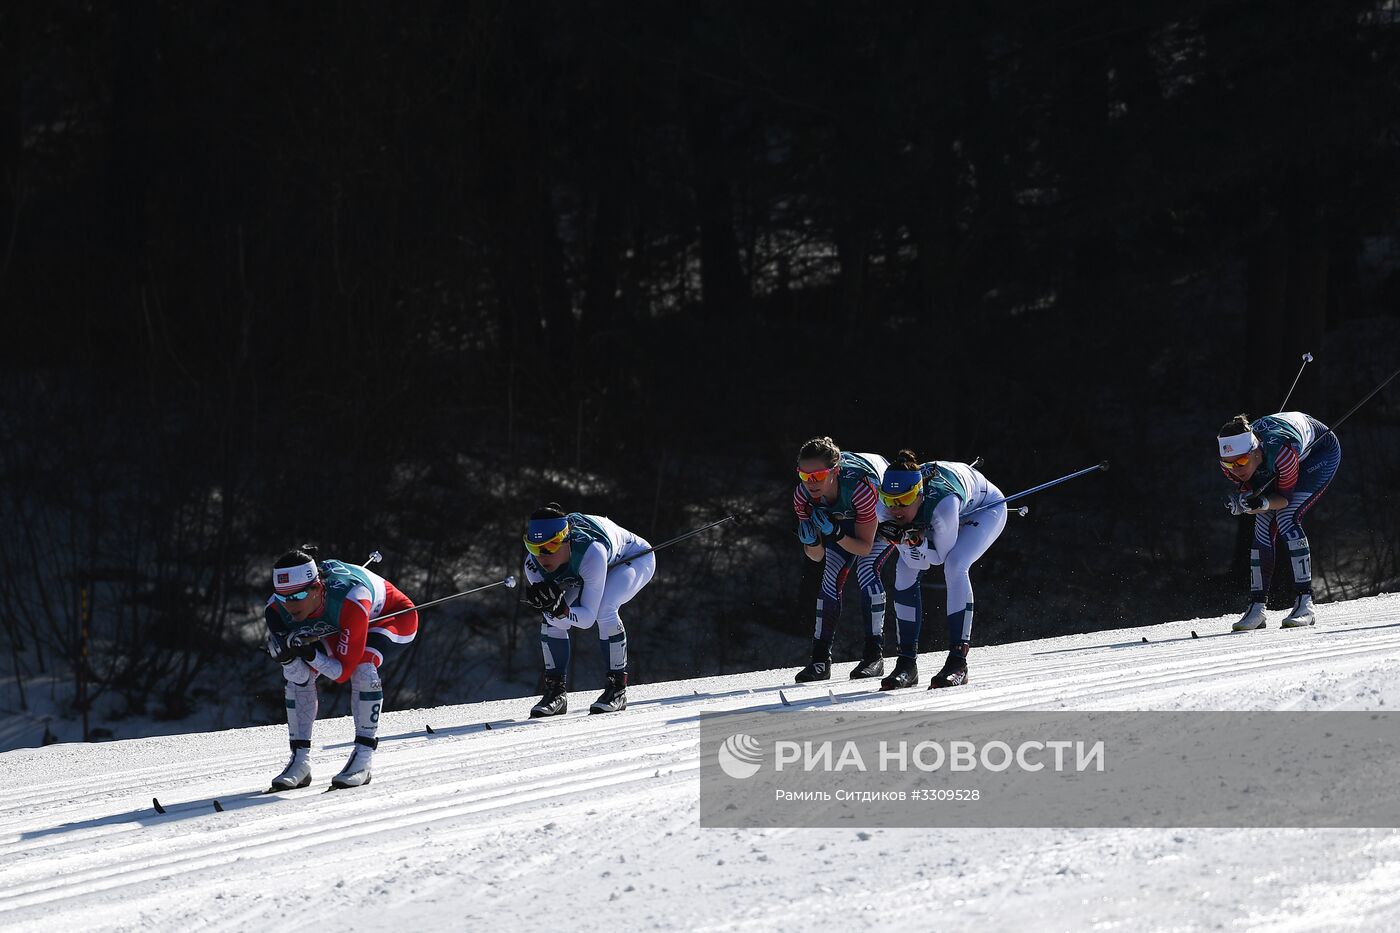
898, 482
542, 529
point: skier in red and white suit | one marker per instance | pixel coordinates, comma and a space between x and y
324, 619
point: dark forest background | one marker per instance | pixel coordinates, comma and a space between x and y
391, 275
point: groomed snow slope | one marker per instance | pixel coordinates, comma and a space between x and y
591, 823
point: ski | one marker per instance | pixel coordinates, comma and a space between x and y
186, 805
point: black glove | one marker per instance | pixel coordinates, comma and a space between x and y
543, 596
278, 649
560, 609
891, 530
304, 641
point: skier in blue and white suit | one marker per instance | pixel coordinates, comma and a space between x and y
580, 574
929, 503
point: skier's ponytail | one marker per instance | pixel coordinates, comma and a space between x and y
905, 460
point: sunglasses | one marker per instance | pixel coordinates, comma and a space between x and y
1237, 462
903, 498
292, 597
550, 546
816, 476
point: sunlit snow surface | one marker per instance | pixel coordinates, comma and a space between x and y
590, 823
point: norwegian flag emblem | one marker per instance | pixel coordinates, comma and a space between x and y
283, 578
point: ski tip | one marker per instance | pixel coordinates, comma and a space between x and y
156, 803
1193, 634
1144, 639
430, 730
783, 696
218, 807
831, 696
487, 725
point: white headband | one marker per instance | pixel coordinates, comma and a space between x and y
1237, 445
294, 579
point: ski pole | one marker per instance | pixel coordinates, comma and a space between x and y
1307, 358
1054, 482
1332, 430
508, 583
677, 538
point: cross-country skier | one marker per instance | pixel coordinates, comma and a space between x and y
838, 509
580, 574
322, 619
1281, 465
926, 503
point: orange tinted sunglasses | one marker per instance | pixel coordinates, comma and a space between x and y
816, 476
1237, 462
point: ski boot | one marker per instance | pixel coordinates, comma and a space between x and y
906, 674
1252, 619
820, 668
298, 770
356, 772
1302, 614
954, 673
872, 661
614, 696
555, 701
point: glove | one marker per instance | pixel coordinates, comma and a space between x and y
1235, 503
807, 532
304, 642
312, 632
277, 648
560, 609
826, 525
542, 595
1255, 504
891, 530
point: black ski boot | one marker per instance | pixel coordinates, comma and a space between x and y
906, 674
872, 661
954, 673
614, 696
555, 701
820, 668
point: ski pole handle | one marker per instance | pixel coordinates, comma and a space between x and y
1307, 358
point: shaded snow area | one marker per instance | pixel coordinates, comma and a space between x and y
590, 823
